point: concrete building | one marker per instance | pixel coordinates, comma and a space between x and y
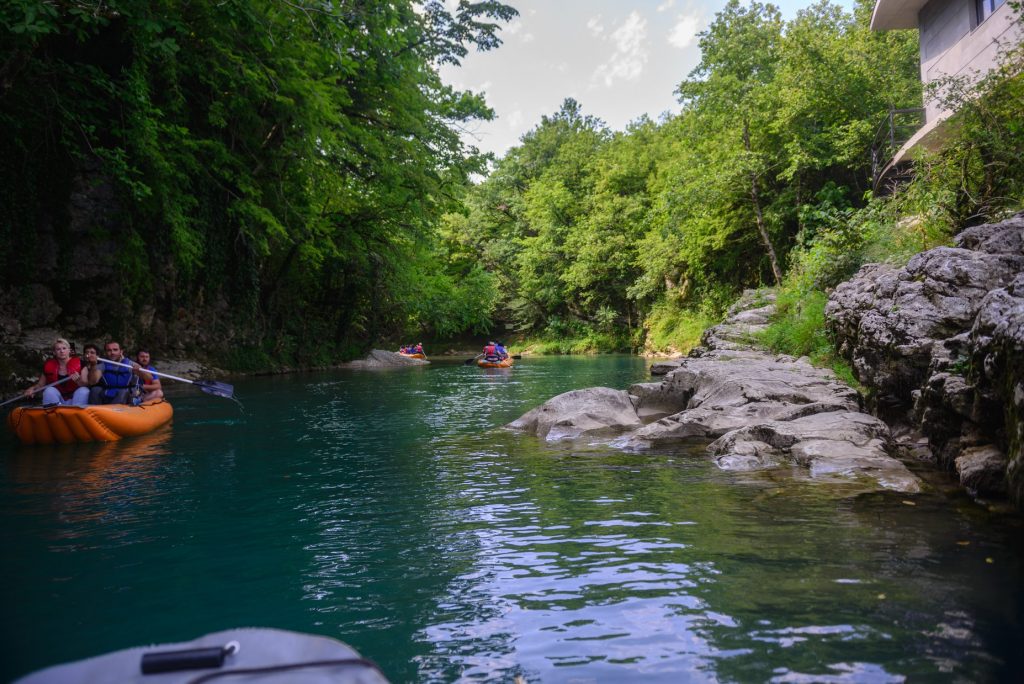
960, 38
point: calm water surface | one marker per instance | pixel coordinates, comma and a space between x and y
390, 510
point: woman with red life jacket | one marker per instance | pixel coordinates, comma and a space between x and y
61, 366
491, 352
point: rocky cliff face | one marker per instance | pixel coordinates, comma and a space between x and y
940, 343
76, 291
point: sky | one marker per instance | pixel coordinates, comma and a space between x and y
620, 59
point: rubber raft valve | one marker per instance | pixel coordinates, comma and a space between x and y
189, 659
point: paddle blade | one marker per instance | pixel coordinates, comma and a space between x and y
217, 389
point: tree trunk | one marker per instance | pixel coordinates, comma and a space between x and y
755, 197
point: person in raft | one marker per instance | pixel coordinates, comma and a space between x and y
148, 391
491, 352
501, 351
115, 386
418, 349
62, 365
91, 373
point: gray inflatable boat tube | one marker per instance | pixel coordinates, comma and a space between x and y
235, 656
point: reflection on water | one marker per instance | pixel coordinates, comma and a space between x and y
92, 481
392, 511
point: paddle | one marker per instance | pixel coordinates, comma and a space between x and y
22, 396
217, 389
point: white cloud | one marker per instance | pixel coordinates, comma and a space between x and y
515, 120
684, 31
595, 25
666, 5
515, 27
527, 37
630, 55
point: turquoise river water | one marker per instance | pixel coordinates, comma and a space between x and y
391, 510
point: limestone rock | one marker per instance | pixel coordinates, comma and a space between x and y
380, 358
833, 446
945, 337
982, 469
762, 410
593, 411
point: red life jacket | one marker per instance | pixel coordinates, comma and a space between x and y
490, 351
68, 387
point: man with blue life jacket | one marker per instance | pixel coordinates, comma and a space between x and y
117, 382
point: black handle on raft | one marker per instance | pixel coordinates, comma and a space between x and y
188, 659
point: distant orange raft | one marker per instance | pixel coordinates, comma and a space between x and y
101, 423
504, 363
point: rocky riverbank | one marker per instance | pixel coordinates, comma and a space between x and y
754, 410
939, 344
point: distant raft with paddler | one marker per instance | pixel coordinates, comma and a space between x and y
417, 355
94, 423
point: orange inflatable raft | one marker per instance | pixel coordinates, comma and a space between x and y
504, 363
413, 356
101, 423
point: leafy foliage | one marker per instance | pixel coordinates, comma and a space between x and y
289, 161
659, 227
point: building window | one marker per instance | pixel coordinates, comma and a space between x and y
986, 7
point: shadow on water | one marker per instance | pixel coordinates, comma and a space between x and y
391, 510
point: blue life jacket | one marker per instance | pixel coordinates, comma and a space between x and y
115, 378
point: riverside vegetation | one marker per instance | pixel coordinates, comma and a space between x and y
233, 180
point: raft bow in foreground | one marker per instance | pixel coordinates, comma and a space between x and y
99, 423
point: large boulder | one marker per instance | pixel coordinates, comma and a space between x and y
587, 412
380, 358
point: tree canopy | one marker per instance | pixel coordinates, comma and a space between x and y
289, 161
588, 229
